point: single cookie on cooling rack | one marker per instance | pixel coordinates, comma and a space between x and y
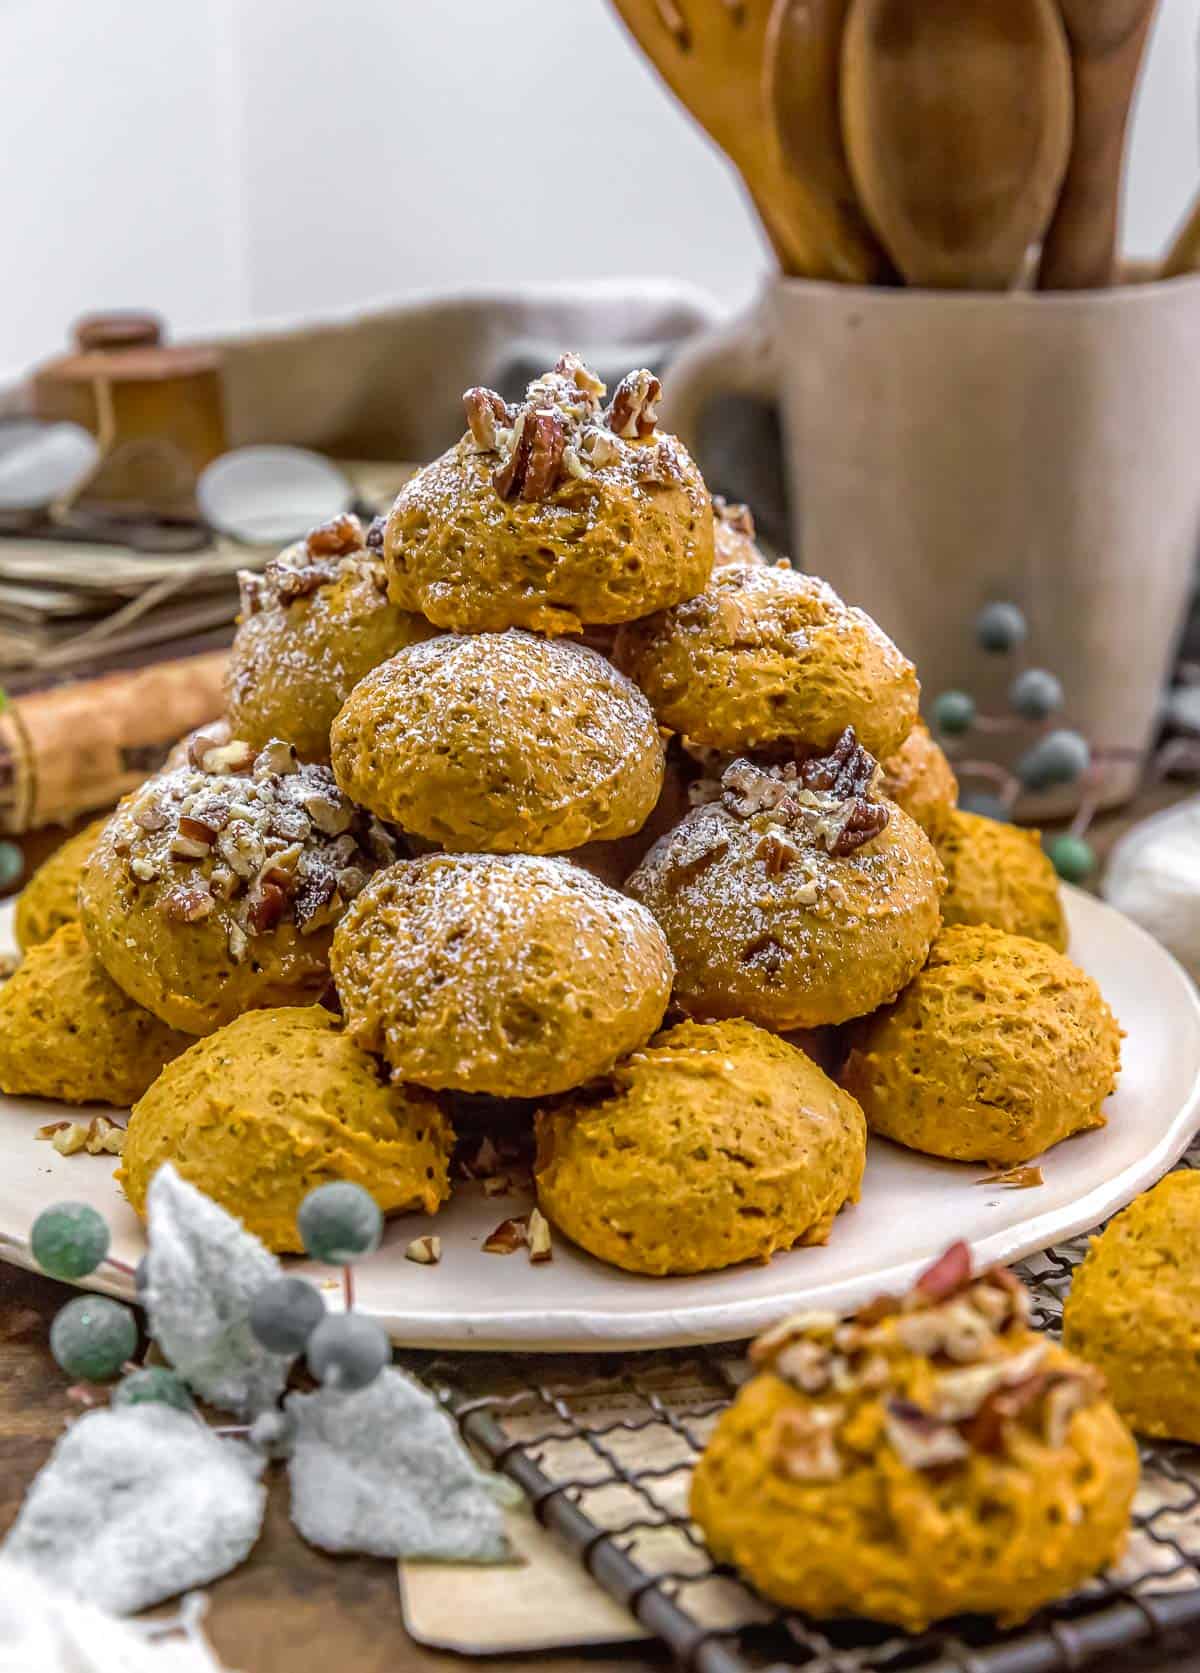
998, 1049
312, 625
999, 874
554, 513
1134, 1309
501, 743
930, 1457
68, 1032
766, 657
716, 1143
214, 888
797, 899
919, 778
273, 1105
51, 896
501, 973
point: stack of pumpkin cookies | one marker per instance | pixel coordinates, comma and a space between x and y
547, 759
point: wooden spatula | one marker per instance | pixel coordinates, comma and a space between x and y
1108, 39
802, 72
710, 53
957, 120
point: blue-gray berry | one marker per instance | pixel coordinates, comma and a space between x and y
69, 1240
153, 1385
1035, 694
284, 1314
340, 1223
347, 1351
92, 1337
1072, 858
1060, 757
954, 713
1000, 627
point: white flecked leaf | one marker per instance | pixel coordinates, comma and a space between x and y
136, 1504
203, 1269
384, 1471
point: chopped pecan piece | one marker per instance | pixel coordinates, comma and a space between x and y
737, 517
747, 789
599, 448
184, 846
777, 852
190, 903
329, 811
805, 1447
317, 901
948, 1274
252, 594
265, 907
336, 538
861, 822
985, 1431
508, 1237
293, 581
150, 815
541, 1248
218, 759
193, 829
807, 1365
571, 366
919, 1440
633, 413
534, 466
1017, 1179
276, 757
846, 770
960, 1394
487, 414
70, 1137
425, 1251
104, 1137
375, 533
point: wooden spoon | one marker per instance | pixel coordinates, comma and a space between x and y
1184, 253
1108, 39
710, 53
957, 119
802, 69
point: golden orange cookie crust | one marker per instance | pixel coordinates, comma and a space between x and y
930, 1458
275, 1104
1134, 1309
767, 655
768, 918
998, 1049
68, 1032
999, 874
51, 896
552, 514
919, 778
513, 975
214, 888
716, 1143
501, 743
312, 625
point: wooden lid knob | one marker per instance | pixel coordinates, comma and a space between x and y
123, 330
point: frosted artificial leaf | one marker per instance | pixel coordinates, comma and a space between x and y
136, 1504
202, 1271
383, 1471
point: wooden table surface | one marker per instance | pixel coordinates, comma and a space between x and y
289, 1609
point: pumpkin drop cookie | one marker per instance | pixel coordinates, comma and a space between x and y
930, 1457
716, 1143
68, 1032
1000, 875
501, 743
797, 898
766, 656
919, 778
554, 513
51, 896
507, 974
275, 1104
214, 888
998, 1049
1134, 1309
312, 625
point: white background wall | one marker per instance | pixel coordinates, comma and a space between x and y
234, 160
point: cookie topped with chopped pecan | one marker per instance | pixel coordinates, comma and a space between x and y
929, 1456
313, 623
557, 511
214, 888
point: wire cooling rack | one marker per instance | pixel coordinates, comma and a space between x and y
604, 1448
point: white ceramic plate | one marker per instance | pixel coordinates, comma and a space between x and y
911, 1206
